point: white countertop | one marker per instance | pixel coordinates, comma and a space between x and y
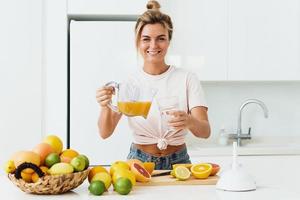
277, 178
255, 146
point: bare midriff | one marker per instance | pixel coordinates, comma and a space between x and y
153, 150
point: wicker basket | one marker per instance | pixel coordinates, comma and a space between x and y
51, 184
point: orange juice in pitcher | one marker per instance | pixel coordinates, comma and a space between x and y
134, 108
132, 100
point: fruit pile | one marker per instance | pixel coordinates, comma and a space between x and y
46, 158
200, 171
122, 175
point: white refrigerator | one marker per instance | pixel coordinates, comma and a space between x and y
100, 51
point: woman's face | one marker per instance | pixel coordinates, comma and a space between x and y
154, 43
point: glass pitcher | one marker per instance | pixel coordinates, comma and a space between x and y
132, 100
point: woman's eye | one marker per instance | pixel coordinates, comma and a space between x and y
146, 39
162, 39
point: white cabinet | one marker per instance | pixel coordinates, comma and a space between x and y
104, 7
264, 40
200, 36
100, 51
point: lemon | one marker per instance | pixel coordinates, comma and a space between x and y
104, 177
182, 173
124, 173
55, 142
9, 166
188, 165
118, 165
201, 170
96, 170
97, 188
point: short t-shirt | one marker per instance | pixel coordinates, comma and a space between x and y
175, 82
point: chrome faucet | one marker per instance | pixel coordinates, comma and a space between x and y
239, 135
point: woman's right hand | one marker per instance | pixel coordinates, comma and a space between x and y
104, 95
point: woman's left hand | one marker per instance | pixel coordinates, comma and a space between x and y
179, 120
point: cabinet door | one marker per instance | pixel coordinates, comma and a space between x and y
264, 40
104, 7
101, 51
200, 37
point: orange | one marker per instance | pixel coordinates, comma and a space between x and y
55, 142
96, 170
201, 170
149, 166
26, 177
67, 155
43, 149
130, 161
35, 177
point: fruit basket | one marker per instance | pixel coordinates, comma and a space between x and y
51, 184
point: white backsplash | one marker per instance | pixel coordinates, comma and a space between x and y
225, 98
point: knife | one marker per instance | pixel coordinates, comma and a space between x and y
162, 173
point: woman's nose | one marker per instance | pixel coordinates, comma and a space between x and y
153, 43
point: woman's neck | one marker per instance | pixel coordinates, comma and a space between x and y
155, 68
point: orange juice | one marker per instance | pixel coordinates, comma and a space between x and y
134, 108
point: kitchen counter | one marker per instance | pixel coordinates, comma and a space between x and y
277, 177
255, 146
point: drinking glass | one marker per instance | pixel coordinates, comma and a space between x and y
165, 105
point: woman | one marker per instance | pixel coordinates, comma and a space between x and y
154, 143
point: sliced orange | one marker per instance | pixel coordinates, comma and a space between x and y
149, 166
201, 170
96, 170
182, 173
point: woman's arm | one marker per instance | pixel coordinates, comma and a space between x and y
196, 121
107, 122
108, 119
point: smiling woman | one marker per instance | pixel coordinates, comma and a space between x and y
157, 140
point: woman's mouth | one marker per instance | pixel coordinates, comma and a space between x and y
153, 53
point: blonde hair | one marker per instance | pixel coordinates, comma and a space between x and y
153, 16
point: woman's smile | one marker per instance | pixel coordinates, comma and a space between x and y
154, 43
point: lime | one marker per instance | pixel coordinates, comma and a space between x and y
87, 162
97, 187
78, 163
52, 159
182, 173
123, 186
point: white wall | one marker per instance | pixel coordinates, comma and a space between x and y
55, 66
282, 120
20, 75
281, 98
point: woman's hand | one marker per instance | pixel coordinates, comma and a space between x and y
179, 120
104, 95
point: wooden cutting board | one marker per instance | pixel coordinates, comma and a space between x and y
170, 180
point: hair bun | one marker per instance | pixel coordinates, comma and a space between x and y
153, 5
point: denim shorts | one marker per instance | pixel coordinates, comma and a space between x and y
161, 162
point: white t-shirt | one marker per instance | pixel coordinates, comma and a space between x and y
174, 82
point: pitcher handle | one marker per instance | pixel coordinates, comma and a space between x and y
115, 85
